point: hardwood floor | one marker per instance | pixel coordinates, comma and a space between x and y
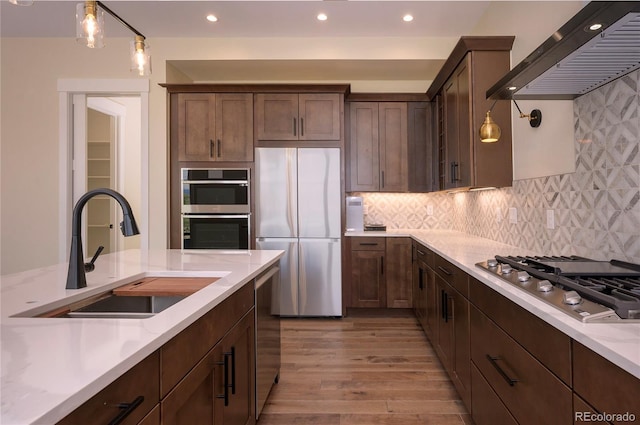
360, 371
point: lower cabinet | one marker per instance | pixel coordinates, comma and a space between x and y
204, 375
380, 272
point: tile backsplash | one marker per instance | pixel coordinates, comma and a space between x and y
596, 209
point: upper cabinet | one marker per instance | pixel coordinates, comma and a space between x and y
292, 116
215, 126
459, 89
388, 147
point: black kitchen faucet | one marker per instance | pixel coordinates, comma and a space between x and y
76, 278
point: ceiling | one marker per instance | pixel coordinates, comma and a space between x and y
263, 18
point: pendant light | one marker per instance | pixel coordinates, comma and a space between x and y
90, 24
90, 31
140, 56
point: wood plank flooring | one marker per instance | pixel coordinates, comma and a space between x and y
360, 371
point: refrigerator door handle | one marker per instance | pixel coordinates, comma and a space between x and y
302, 279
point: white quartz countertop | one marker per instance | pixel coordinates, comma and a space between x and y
50, 366
618, 342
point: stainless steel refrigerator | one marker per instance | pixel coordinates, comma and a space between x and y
298, 211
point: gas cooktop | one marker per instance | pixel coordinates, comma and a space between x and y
587, 290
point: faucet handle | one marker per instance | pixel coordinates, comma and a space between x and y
89, 267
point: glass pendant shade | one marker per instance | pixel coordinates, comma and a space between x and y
90, 24
140, 56
489, 131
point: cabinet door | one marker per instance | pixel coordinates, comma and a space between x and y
234, 127
235, 386
319, 116
367, 279
276, 116
398, 274
420, 147
461, 359
192, 400
457, 122
445, 333
394, 173
196, 121
364, 156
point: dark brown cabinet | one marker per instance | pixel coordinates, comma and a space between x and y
214, 126
293, 116
475, 64
451, 335
380, 272
130, 397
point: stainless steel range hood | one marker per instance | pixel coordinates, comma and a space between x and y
576, 60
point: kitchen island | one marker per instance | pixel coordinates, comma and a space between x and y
51, 366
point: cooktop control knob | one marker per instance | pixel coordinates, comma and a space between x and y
523, 276
545, 286
492, 262
571, 298
506, 269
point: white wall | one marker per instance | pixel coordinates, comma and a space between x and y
29, 108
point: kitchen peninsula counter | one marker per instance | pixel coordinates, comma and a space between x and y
50, 366
617, 342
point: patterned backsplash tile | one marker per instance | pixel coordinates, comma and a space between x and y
596, 209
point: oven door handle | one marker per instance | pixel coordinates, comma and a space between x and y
215, 215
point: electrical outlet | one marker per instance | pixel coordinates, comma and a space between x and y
551, 221
513, 215
429, 209
498, 215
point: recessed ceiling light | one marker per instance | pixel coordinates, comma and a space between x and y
595, 27
512, 88
407, 18
322, 17
212, 18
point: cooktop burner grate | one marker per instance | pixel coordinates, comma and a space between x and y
614, 284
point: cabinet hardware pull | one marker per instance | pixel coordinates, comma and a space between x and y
382, 185
445, 271
420, 252
420, 278
494, 361
225, 380
301, 127
233, 369
381, 264
446, 307
211, 147
126, 409
294, 126
442, 304
453, 172
368, 243
219, 147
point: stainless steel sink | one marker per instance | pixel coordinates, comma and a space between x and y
123, 307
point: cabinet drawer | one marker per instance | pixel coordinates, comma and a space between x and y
487, 409
453, 275
186, 349
425, 255
142, 380
531, 392
604, 385
367, 244
543, 341
583, 412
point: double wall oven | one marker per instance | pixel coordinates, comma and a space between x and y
215, 208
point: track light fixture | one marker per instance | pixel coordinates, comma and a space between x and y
90, 31
490, 131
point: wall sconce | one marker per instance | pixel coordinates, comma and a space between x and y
490, 131
90, 31
535, 117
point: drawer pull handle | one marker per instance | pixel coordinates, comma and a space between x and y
225, 372
211, 148
126, 409
368, 243
219, 147
420, 252
445, 271
494, 361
